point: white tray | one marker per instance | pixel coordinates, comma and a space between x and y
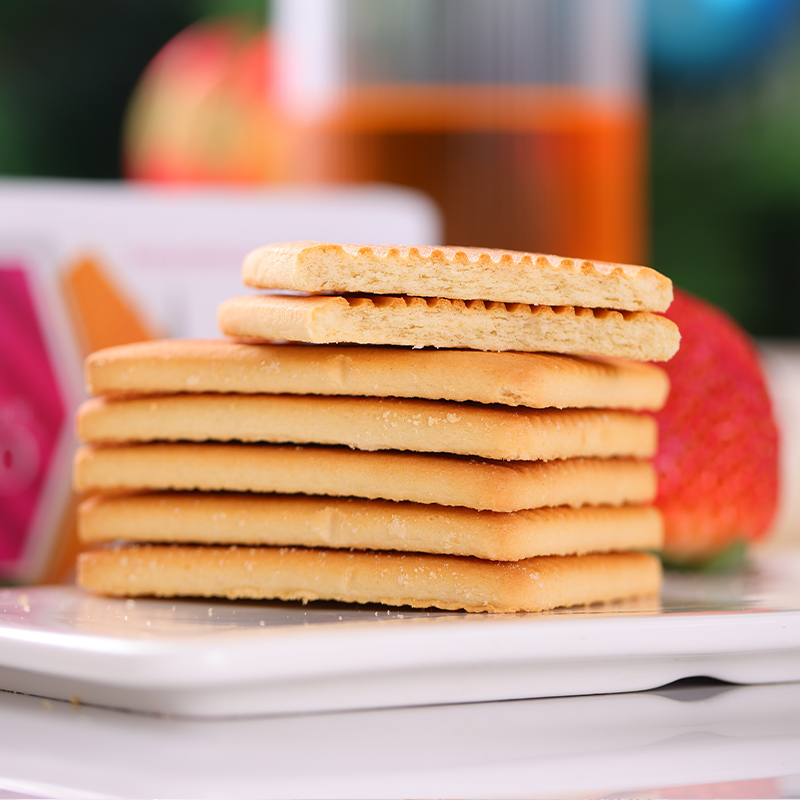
634, 745
212, 659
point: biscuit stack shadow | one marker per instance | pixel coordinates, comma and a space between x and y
465, 477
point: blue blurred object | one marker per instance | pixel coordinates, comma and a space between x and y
709, 39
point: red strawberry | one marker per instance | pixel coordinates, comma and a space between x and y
717, 460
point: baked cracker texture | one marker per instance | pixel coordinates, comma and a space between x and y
537, 380
457, 272
340, 472
367, 423
460, 429
437, 322
397, 579
348, 523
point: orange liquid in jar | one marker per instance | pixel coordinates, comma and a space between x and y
542, 169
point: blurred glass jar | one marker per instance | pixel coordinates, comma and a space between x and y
523, 119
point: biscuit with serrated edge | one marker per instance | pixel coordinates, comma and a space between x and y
368, 423
437, 322
537, 380
389, 475
396, 579
464, 273
297, 520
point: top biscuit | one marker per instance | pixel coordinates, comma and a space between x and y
461, 273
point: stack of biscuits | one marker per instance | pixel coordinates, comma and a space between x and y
434, 427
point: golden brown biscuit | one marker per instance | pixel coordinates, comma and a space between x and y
340, 472
475, 325
464, 273
368, 423
538, 380
397, 579
251, 519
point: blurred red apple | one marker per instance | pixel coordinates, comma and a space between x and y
202, 111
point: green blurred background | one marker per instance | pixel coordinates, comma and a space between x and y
724, 132
67, 72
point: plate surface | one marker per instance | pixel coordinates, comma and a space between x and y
223, 658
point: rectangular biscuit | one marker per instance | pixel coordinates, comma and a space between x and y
388, 475
436, 322
466, 273
369, 423
397, 579
538, 380
297, 520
